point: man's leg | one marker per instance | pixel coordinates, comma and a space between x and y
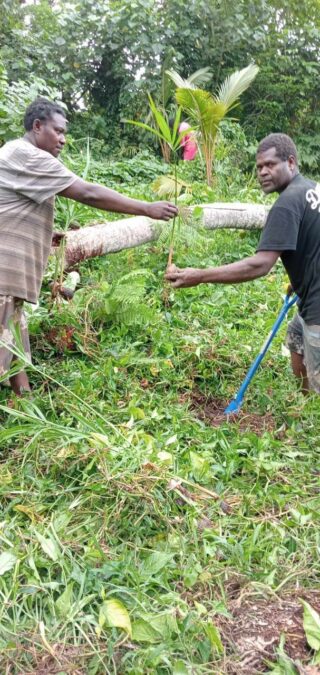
11, 313
311, 343
294, 342
299, 370
20, 383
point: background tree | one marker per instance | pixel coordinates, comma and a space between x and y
105, 57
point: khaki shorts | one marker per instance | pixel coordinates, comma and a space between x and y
12, 315
304, 339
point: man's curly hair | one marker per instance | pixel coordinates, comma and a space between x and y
41, 109
283, 145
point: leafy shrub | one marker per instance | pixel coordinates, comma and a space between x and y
14, 98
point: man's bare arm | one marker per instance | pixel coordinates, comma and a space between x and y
103, 198
247, 269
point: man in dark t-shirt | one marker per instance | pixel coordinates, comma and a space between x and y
291, 232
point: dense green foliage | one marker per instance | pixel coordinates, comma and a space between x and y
113, 557
108, 55
128, 522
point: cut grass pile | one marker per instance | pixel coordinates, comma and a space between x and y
130, 526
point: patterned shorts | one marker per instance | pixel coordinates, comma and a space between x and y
12, 315
304, 339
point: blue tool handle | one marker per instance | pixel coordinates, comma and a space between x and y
237, 400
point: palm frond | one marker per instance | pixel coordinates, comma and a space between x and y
202, 108
178, 80
199, 77
234, 85
160, 120
167, 187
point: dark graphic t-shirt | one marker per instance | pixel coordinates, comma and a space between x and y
293, 227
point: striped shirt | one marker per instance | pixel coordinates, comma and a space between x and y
29, 180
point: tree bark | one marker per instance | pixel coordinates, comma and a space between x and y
110, 237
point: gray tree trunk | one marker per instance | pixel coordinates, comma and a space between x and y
109, 237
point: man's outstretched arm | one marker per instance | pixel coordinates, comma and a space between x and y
103, 198
247, 269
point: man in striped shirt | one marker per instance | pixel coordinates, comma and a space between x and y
30, 177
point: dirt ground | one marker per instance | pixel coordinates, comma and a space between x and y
211, 411
252, 635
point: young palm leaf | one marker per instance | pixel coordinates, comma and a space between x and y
207, 110
172, 138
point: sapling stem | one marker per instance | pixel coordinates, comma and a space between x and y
170, 257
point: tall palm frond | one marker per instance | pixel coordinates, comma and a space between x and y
199, 77
234, 85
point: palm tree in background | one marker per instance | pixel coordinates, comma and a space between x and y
206, 110
200, 78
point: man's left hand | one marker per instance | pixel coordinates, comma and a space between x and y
162, 210
184, 278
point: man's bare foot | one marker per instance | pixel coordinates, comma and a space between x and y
20, 383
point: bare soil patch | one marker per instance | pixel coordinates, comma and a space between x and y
252, 635
56, 659
211, 411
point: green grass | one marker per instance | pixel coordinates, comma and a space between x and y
102, 476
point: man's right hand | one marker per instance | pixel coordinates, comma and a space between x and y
184, 277
161, 210
289, 290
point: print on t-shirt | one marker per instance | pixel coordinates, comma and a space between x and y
313, 197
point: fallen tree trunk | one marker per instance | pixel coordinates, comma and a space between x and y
110, 237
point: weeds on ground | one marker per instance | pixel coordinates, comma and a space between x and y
127, 523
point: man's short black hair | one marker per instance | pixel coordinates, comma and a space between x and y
283, 145
41, 109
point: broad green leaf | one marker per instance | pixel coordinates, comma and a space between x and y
142, 631
200, 466
197, 212
179, 668
160, 121
165, 624
176, 124
114, 613
7, 561
214, 637
27, 511
49, 546
63, 603
311, 625
154, 563
146, 127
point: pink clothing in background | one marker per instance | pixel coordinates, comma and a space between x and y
188, 144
